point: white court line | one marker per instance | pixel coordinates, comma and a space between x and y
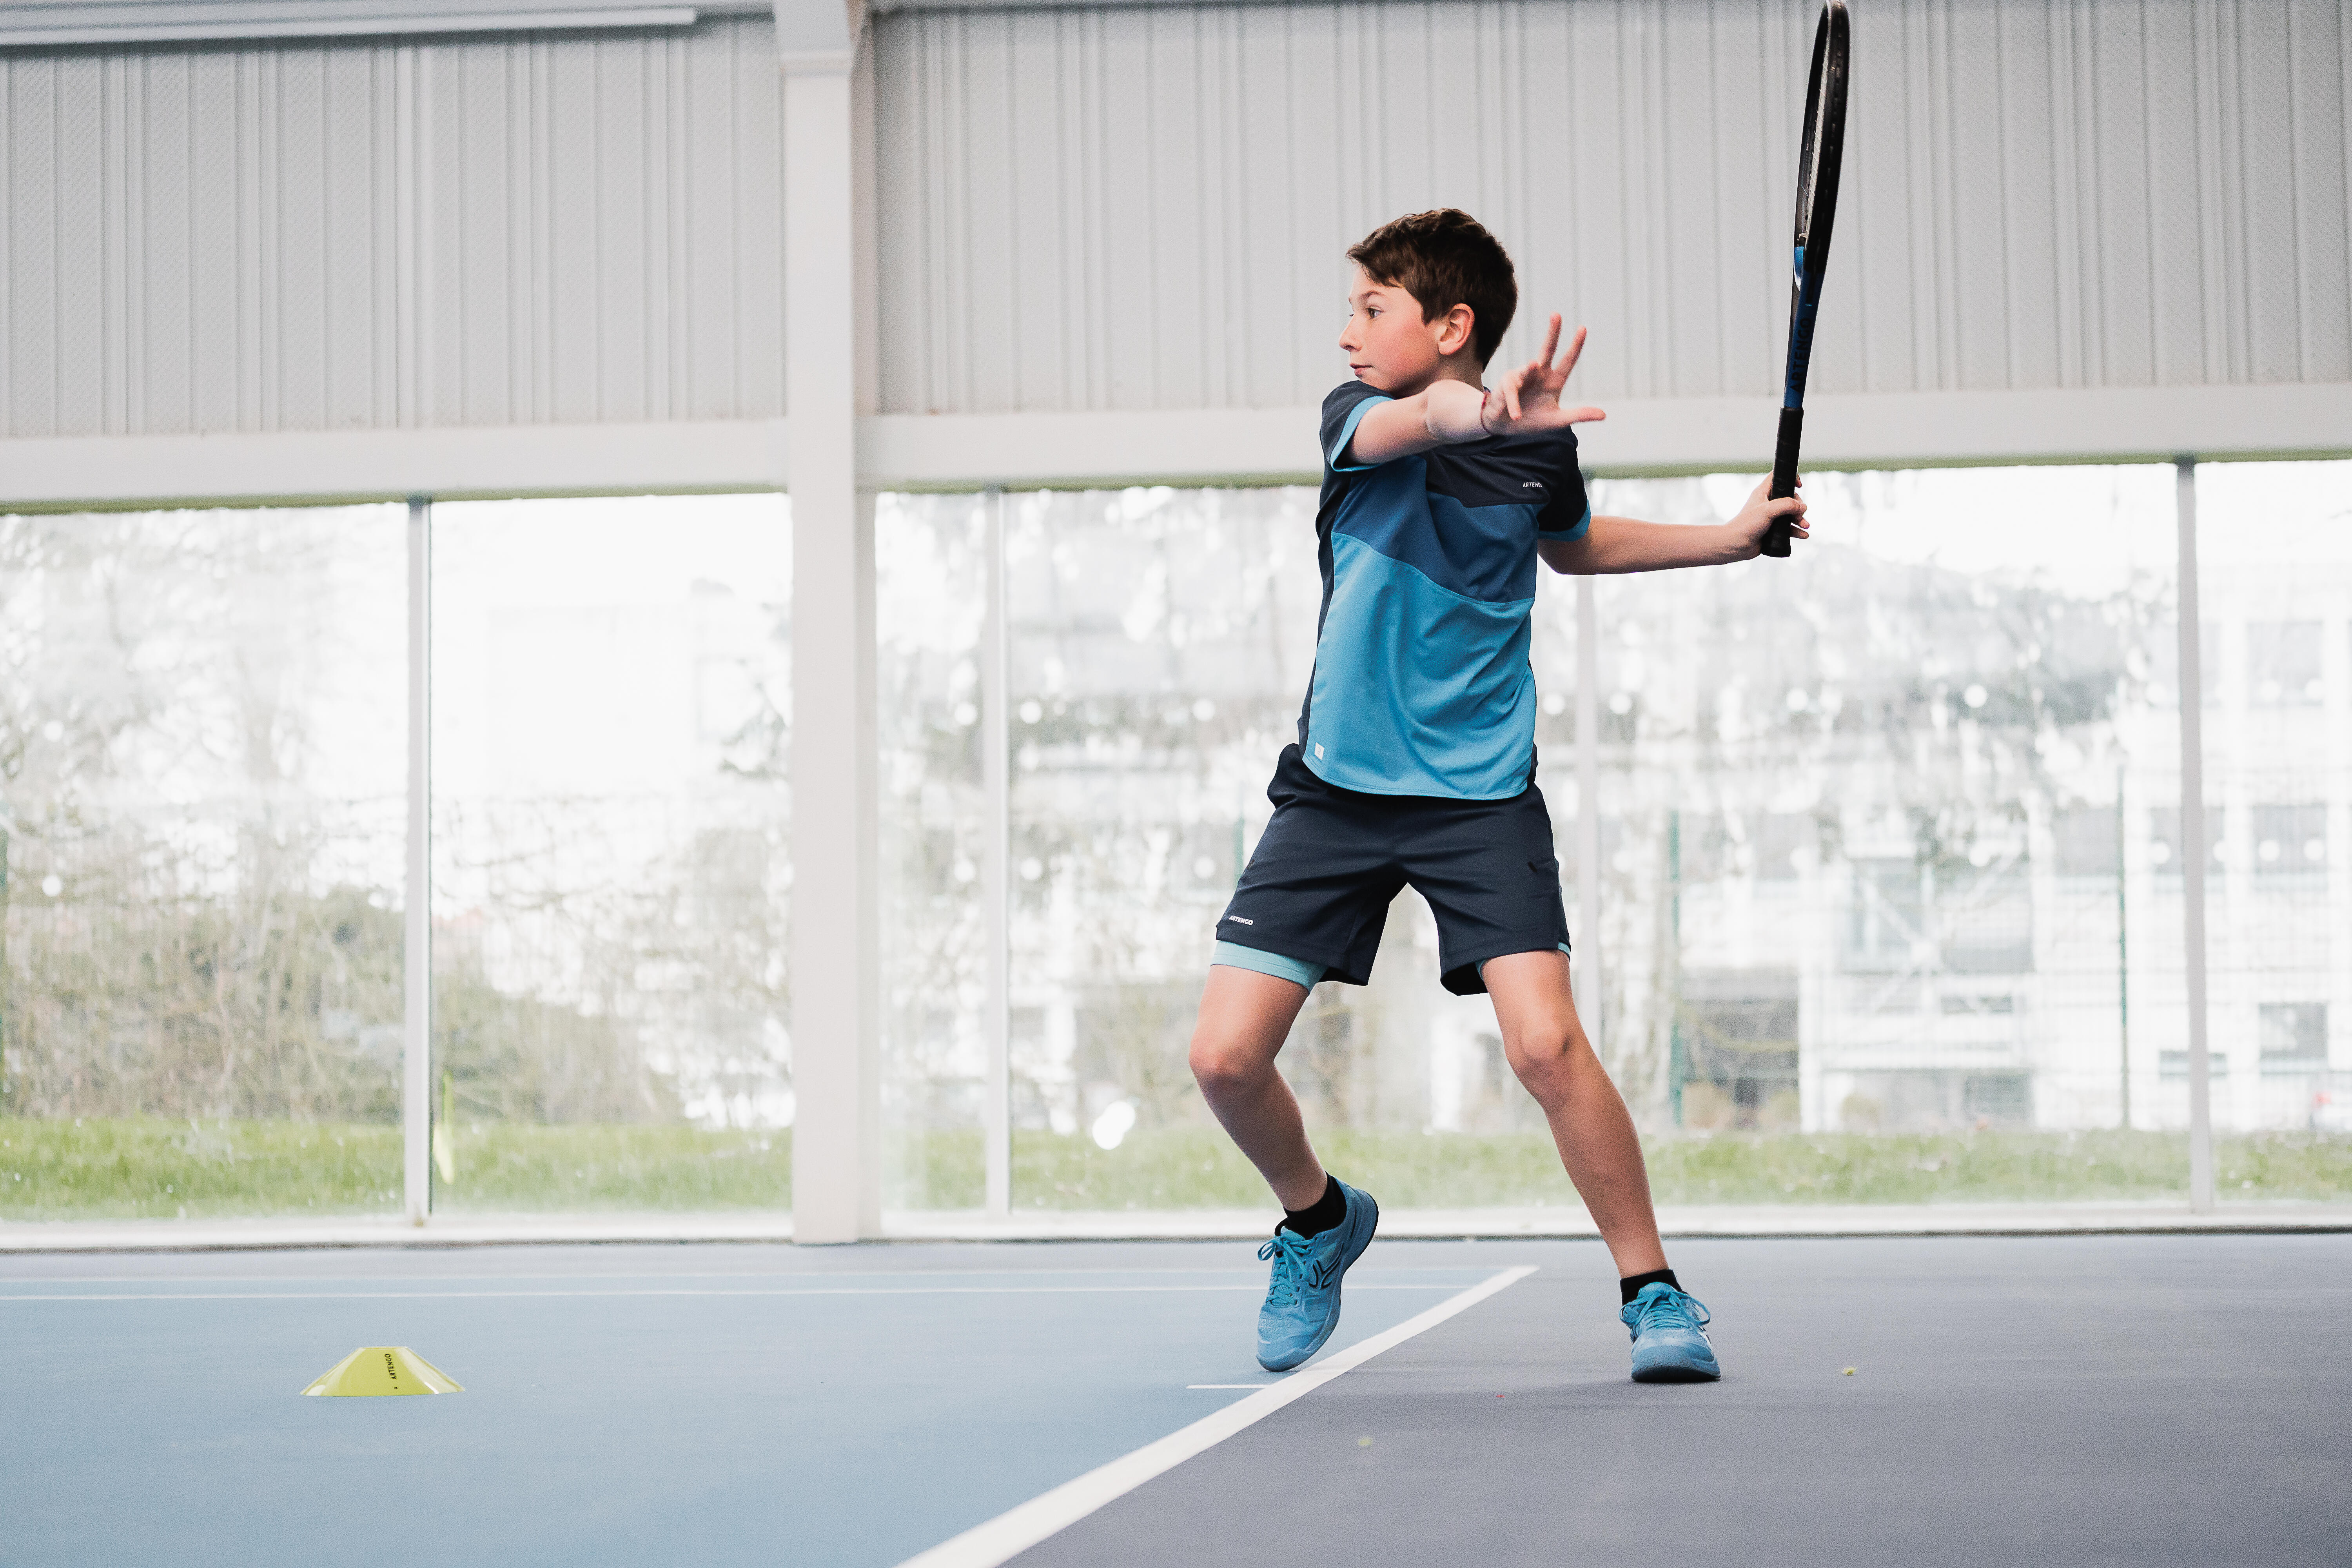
1017, 1530
1252, 1289
1229, 1385
748, 1277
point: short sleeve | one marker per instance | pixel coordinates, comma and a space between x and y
1343, 410
1567, 516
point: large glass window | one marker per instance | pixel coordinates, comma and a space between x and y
1879, 922
612, 867
1159, 642
2275, 573
931, 572
201, 828
1156, 642
1890, 840
1889, 878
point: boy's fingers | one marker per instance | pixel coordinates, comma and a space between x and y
1551, 343
1575, 349
1585, 415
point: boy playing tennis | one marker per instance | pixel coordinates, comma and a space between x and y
1415, 763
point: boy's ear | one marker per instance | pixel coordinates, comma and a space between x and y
1454, 330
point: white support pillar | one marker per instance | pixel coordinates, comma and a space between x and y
995, 867
835, 968
1584, 945
416, 947
2194, 850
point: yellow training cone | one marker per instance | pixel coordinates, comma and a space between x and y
384, 1369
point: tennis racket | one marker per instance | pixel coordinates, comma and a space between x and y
1817, 192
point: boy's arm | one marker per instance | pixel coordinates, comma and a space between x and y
1446, 412
1435, 417
1623, 544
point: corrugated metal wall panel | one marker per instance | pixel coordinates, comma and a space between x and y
1144, 208
367, 236
2319, 80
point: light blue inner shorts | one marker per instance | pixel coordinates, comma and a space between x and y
1298, 970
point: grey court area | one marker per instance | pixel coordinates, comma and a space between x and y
2146, 1399
2140, 1400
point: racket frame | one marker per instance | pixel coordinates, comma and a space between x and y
1819, 161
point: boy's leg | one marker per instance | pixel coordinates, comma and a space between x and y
1320, 882
1245, 1018
1547, 1049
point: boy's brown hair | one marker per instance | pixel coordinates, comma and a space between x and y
1445, 258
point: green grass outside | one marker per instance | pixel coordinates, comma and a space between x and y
148, 1168
506, 1167
154, 1169
1189, 1167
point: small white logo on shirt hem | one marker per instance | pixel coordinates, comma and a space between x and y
1239, 920
1318, 751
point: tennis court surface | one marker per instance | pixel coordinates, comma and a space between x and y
2151, 1399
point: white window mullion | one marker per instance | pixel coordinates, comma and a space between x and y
417, 953
1584, 945
995, 880
2193, 847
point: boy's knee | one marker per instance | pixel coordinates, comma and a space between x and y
1545, 1054
1220, 1064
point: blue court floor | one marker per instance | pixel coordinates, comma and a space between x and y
2107, 1399
706, 1404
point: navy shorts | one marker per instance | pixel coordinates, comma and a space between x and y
1318, 887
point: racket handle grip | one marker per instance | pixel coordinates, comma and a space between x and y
1784, 477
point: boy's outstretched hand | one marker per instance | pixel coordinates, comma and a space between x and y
1747, 527
1527, 399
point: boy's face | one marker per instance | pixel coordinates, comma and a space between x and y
1389, 346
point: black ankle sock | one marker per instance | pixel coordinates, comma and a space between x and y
1323, 1213
1632, 1287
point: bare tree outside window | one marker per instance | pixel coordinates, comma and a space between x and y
200, 848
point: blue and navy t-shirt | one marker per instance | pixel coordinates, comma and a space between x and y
1422, 682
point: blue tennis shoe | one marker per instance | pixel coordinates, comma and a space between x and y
1670, 1342
1302, 1300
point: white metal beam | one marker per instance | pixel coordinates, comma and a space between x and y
417, 948
1584, 944
836, 970
326, 467
1658, 436
2193, 847
116, 24
1183, 446
995, 868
